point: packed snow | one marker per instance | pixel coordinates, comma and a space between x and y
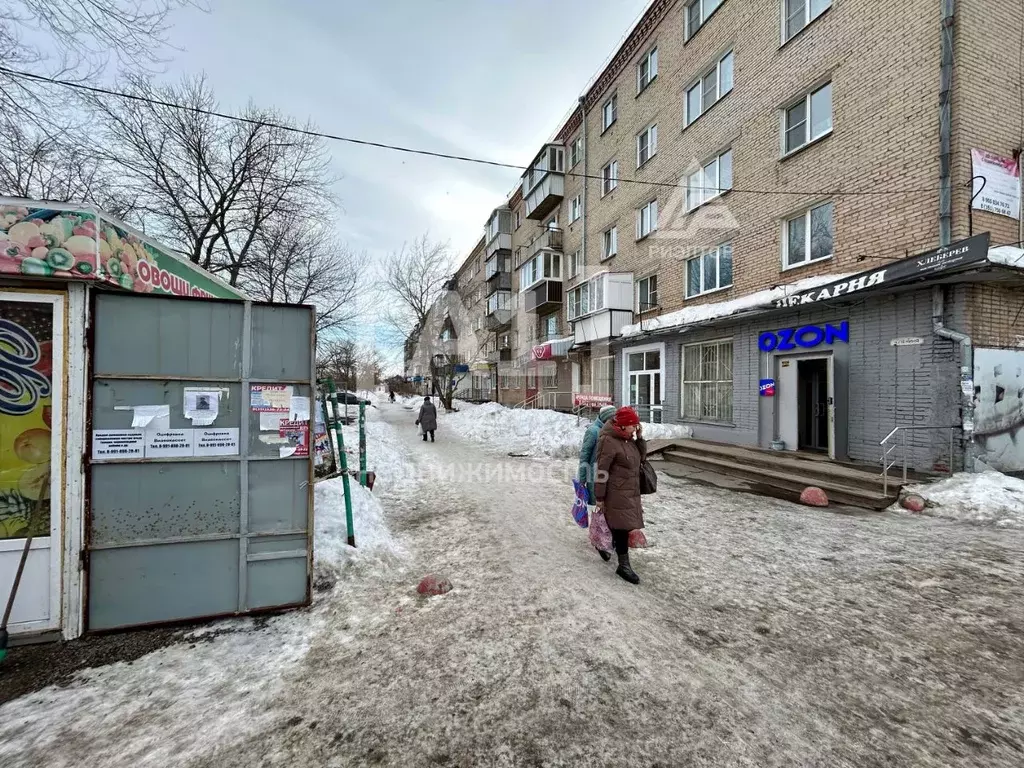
533, 432
984, 498
1007, 256
704, 313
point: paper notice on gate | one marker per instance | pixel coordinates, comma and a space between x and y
117, 444
148, 416
270, 398
271, 422
202, 406
216, 442
170, 444
299, 409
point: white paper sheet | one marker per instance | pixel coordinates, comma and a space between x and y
169, 444
271, 422
216, 442
202, 406
153, 417
300, 409
117, 444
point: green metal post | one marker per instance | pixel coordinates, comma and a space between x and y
327, 423
362, 443
344, 462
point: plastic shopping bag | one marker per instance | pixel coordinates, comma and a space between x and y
600, 533
579, 505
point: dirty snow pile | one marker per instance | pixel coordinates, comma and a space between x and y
984, 498
535, 432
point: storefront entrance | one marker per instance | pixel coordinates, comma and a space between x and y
806, 403
31, 419
644, 384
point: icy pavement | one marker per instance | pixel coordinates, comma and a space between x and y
763, 634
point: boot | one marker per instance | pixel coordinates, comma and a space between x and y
431, 437
606, 556
424, 437
625, 570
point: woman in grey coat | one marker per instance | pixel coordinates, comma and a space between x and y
621, 449
427, 420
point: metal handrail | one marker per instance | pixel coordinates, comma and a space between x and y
889, 445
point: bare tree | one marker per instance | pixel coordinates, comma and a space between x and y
414, 277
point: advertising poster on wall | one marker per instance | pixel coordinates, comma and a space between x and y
26, 349
996, 184
999, 407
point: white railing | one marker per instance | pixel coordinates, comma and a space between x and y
897, 439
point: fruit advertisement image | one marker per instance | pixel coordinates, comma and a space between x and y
36, 242
26, 378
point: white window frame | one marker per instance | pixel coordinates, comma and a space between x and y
684, 416
704, 14
610, 235
650, 136
519, 217
648, 306
609, 178
716, 72
806, 216
650, 59
809, 14
575, 263
540, 269
609, 112
705, 189
809, 137
576, 151
719, 285
576, 209
624, 364
648, 213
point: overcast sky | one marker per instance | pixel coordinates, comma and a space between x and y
487, 78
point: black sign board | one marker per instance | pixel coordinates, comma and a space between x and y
948, 258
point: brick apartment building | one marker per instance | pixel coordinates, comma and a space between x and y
734, 155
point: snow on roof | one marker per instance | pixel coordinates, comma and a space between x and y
706, 312
1007, 256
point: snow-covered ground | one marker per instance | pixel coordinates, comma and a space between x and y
533, 432
985, 498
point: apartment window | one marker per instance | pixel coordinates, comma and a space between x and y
797, 14
647, 220
646, 145
809, 236
579, 301
710, 271
697, 13
646, 70
714, 179
647, 293
610, 243
707, 381
498, 301
809, 119
603, 370
712, 86
549, 326
609, 112
609, 177
544, 266
576, 151
519, 218
575, 263
577, 209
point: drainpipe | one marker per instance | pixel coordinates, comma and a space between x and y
966, 374
586, 179
946, 123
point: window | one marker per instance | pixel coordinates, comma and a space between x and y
543, 266
808, 119
603, 368
709, 271
610, 243
646, 70
712, 86
647, 294
575, 263
809, 236
609, 177
609, 112
697, 13
549, 326
579, 301
707, 381
576, 151
597, 293
647, 220
646, 145
577, 209
714, 179
498, 301
797, 14
519, 218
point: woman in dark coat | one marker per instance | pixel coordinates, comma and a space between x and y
427, 420
621, 450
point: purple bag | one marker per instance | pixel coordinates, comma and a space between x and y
600, 533
579, 506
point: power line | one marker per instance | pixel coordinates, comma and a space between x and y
443, 155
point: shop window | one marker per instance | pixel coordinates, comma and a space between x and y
707, 387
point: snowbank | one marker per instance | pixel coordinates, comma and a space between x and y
534, 432
985, 498
330, 546
1007, 255
707, 312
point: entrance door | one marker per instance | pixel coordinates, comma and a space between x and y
813, 405
31, 418
645, 385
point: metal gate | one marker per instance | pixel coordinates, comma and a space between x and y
199, 500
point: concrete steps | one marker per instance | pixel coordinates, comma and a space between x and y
785, 475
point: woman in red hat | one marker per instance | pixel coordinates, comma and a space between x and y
621, 449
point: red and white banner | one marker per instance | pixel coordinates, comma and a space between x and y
591, 401
542, 352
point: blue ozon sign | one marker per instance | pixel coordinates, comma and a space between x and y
807, 337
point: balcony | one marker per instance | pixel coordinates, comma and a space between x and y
544, 183
499, 310
497, 272
548, 240
544, 297
498, 232
599, 308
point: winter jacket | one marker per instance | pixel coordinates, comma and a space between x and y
617, 486
588, 454
428, 417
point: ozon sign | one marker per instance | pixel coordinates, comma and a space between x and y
806, 337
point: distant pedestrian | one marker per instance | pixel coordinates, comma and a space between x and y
427, 420
391, 395
621, 449
588, 458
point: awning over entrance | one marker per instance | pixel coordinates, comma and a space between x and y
554, 348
